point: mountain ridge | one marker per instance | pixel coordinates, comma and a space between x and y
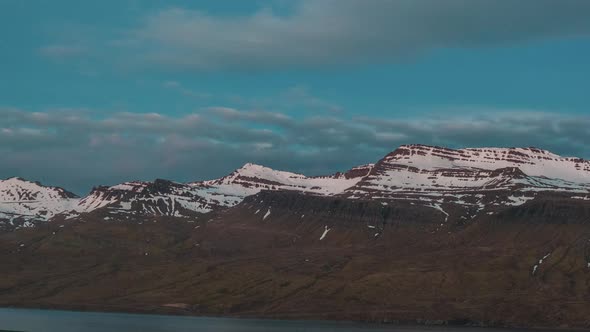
480, 178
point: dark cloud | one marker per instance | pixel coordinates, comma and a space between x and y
81, 148
326, 32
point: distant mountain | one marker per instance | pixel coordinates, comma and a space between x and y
467, 181
22, 202
251, 179
167, 198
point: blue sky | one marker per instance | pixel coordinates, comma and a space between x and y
102, 92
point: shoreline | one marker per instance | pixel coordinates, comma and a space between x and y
325, 318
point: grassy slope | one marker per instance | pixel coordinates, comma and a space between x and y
242, 266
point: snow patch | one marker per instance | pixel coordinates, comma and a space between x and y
326, 230
536, 266
438, 207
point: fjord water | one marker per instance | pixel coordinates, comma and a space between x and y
26, 320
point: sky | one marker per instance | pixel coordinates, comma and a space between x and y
101, 92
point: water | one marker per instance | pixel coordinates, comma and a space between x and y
65, 321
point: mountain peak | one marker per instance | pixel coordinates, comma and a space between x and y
32, 201
251, 167
17, 179
532, 161
24, 185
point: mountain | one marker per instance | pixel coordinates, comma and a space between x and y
167, 198
160, 197
420, 168
459, 183
475, 179
23, 203
426, 235
251, 179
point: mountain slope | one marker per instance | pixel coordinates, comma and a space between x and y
344, 259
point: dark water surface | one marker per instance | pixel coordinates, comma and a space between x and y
66, 321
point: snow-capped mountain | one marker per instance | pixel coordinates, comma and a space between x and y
478, 180
160, 197
167, 198
251, 179
476, 177
22, 202
532, 161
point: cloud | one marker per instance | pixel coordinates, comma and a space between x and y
263, 117
177, 86
301, 95
329, 32
62, 51
79, 148
296, 98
